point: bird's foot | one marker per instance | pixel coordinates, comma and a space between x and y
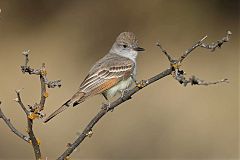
106, 106
124, 92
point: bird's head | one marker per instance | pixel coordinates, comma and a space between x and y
126, 45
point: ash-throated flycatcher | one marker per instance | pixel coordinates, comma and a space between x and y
113, 73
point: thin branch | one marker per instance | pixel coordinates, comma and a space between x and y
196, 81
44, 82
19, 101
164, 51
26, 68
35, 143
44, 93
106, 108
42, 72
212, 46
12, 128
218, 43
32, 139
174, 70
43, 79
175, 64
187, 52
193, 80
35, 110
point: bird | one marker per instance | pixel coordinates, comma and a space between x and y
114, 73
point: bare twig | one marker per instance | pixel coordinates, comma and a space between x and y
106, 108
30, 116
12, 128
42, 72
217, 44
196, 81
212, 46
187, 52
44, 93
34, 141
35, 110
174, 70
43, 79
26, 68
31, 138
164, 51
175, 64
193, 80
19, 101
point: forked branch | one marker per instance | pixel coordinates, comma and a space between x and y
174, 70
34, 111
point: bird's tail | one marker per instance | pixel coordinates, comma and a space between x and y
75, 100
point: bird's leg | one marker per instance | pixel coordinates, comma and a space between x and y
124, 91
105, 96
106, 105
134, 79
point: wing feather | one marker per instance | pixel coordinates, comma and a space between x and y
107, 72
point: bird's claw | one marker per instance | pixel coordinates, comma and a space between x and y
124, 92
106, 106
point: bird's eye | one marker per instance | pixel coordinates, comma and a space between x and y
124, 46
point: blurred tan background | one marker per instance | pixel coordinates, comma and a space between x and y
165, 120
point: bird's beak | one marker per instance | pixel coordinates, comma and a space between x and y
139, 49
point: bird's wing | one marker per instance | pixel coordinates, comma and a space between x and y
106, 73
